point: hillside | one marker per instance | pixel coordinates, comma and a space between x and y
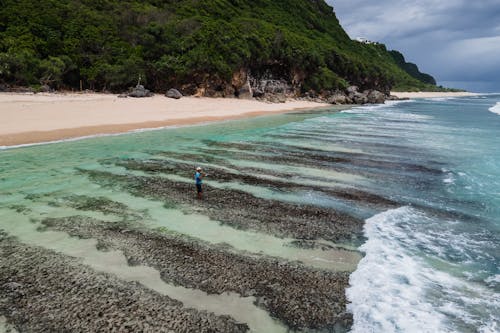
212, 48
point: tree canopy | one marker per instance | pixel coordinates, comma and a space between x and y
108, 44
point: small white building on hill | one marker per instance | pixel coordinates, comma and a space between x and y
364, 40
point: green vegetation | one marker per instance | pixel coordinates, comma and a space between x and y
411, 68
108, 44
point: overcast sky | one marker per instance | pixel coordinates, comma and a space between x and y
456, 41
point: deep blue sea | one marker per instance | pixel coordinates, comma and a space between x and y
429, 264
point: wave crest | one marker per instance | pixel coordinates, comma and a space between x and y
495, 109
394, 290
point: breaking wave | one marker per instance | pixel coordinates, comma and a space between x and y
395, 290
495, 109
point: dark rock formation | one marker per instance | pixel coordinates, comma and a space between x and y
173, 93
139, 91
42, 291
360, 98
247, 177
273, 85
245, 92
302, 297
396, 98
375, 97
209, 86
272, 90
352, 95
351, 90
242, 210
44, 88
338, 98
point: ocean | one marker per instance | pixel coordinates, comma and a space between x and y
424, 175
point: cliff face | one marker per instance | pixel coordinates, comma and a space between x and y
411, 68
214, 48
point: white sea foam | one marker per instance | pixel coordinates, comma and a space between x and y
388, 113
396, 290
386, 293
450, 179
493, 280
495, 109
371, 107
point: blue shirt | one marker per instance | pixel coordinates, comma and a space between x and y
197, 178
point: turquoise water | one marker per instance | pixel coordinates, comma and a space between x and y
431, 257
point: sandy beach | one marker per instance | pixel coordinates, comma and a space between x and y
29, 118
424, 94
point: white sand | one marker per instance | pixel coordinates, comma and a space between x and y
30, 118
431, 94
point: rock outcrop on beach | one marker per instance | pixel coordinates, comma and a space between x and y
173, 93
139, 92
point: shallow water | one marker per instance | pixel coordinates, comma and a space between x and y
430, 264
47, 182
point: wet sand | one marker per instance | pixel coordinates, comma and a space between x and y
29, 118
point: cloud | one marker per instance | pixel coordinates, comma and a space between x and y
480, 54
454, 40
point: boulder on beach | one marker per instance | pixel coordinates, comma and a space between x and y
173, 93
360, 98
139, 91
338, 98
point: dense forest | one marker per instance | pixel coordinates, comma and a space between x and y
106, 45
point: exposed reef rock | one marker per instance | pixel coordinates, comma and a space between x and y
301, 297
223, 175
241, 209
42, 291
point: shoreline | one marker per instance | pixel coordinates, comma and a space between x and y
432, 94
44, 118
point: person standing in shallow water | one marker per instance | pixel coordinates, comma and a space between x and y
198, 178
